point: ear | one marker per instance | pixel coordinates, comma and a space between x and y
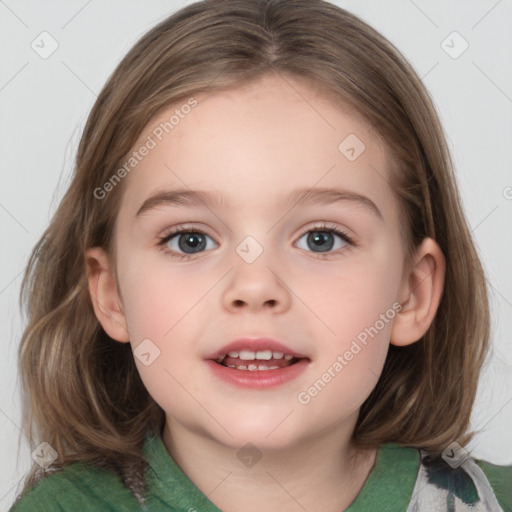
104, 294
420, 294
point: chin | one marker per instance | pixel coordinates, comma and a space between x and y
265, 435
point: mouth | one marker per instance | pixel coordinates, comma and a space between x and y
257, 363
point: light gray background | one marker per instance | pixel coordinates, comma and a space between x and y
44, 104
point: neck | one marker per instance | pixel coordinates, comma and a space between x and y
321, 473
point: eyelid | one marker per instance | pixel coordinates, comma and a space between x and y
329, 226
181, 229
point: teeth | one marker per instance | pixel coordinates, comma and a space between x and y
247, 355
264, 355
253, 367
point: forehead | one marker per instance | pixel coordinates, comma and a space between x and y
254, 143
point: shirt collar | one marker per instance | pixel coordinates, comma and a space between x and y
389, 485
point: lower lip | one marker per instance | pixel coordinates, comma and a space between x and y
258, 379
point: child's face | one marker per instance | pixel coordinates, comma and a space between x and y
256, 145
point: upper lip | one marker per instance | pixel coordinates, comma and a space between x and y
255, 344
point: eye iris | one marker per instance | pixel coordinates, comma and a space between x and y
319, 238
195, 240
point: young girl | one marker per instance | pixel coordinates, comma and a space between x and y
260, 290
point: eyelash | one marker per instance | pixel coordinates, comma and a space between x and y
322, 226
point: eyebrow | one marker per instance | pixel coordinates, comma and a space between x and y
305, 196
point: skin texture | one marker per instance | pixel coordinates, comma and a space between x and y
256, 144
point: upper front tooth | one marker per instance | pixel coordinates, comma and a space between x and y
247, 355
264, 354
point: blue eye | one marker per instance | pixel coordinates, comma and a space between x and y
189, 241
186, 242
323, 238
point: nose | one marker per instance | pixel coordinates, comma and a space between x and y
256, 287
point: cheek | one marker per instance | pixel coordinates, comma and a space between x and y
356, 304
158, 297
160, 308
358, 309
353, 297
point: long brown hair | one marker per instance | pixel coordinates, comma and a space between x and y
81, 389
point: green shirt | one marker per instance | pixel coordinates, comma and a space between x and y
399, 482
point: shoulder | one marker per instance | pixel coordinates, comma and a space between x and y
463, 483
500, 480
77, 486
